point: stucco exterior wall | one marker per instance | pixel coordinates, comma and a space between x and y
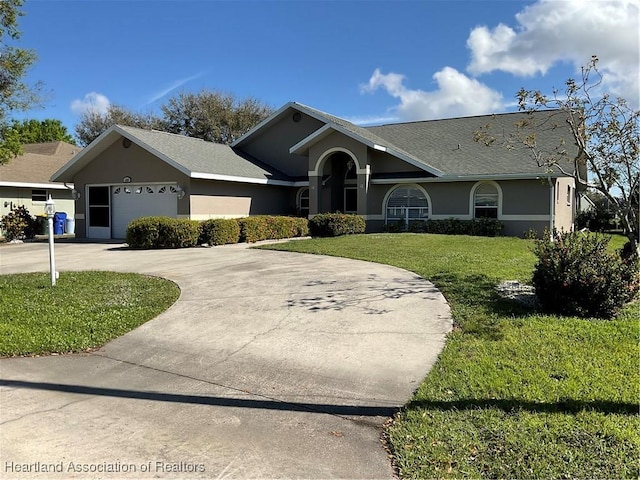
273, 145
525, 197
524, 204
382, 162
117, 162
565, 204
19, 196
332, 141
215, 199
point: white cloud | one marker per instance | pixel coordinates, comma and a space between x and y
551, 31
92, 102
172, 87
457, 95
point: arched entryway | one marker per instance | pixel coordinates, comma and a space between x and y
339, 185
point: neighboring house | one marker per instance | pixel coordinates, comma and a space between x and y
25, 180
304, 161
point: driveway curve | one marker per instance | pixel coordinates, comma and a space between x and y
270, 365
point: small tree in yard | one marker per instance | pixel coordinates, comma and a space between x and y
578, 275
18, 224
606, 132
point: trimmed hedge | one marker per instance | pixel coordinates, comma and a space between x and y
219, 231
271, 227
483, 227
336, 224
162, 232
166, 232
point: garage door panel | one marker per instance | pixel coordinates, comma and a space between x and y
135, 201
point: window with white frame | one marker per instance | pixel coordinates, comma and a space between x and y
38, 195
407, 204
303, 202
568, 194
485, 201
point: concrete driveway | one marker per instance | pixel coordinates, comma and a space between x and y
270, 365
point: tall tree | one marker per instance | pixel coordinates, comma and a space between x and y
93, 123
213, 116
209, 115
40, 131
606, 131
15, 94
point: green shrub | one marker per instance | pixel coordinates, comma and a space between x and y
396, 227
336, 224
271, 227
280, 227
219, 231
578, 275
253, 229
485, 227
18, 223
162, 232
178, 233
143, 232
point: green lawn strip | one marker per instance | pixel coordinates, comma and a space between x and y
83, 311
514, 394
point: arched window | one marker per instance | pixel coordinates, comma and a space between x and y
406, 204
485, 201
303, 202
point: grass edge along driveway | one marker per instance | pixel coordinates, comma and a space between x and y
83, 311
515, 393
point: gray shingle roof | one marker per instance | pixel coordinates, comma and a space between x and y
199, 156
38, 162
448, 144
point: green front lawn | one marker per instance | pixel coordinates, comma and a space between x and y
515, 394
83, 311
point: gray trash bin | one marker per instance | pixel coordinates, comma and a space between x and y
70, 226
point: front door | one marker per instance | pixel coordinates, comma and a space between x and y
99, 211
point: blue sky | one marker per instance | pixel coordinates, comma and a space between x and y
366, 61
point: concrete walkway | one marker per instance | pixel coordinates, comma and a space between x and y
270, 365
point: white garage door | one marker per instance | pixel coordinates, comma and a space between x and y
130, 202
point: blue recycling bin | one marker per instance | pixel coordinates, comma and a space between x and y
59, 219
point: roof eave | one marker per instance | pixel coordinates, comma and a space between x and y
468, 178
49, 186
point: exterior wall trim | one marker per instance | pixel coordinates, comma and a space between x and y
204, 216
327, 153
256, 181
505, 218
48, 186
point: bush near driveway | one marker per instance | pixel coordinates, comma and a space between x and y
219, 231
271, 227
167, 232
336, 224
162, 232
